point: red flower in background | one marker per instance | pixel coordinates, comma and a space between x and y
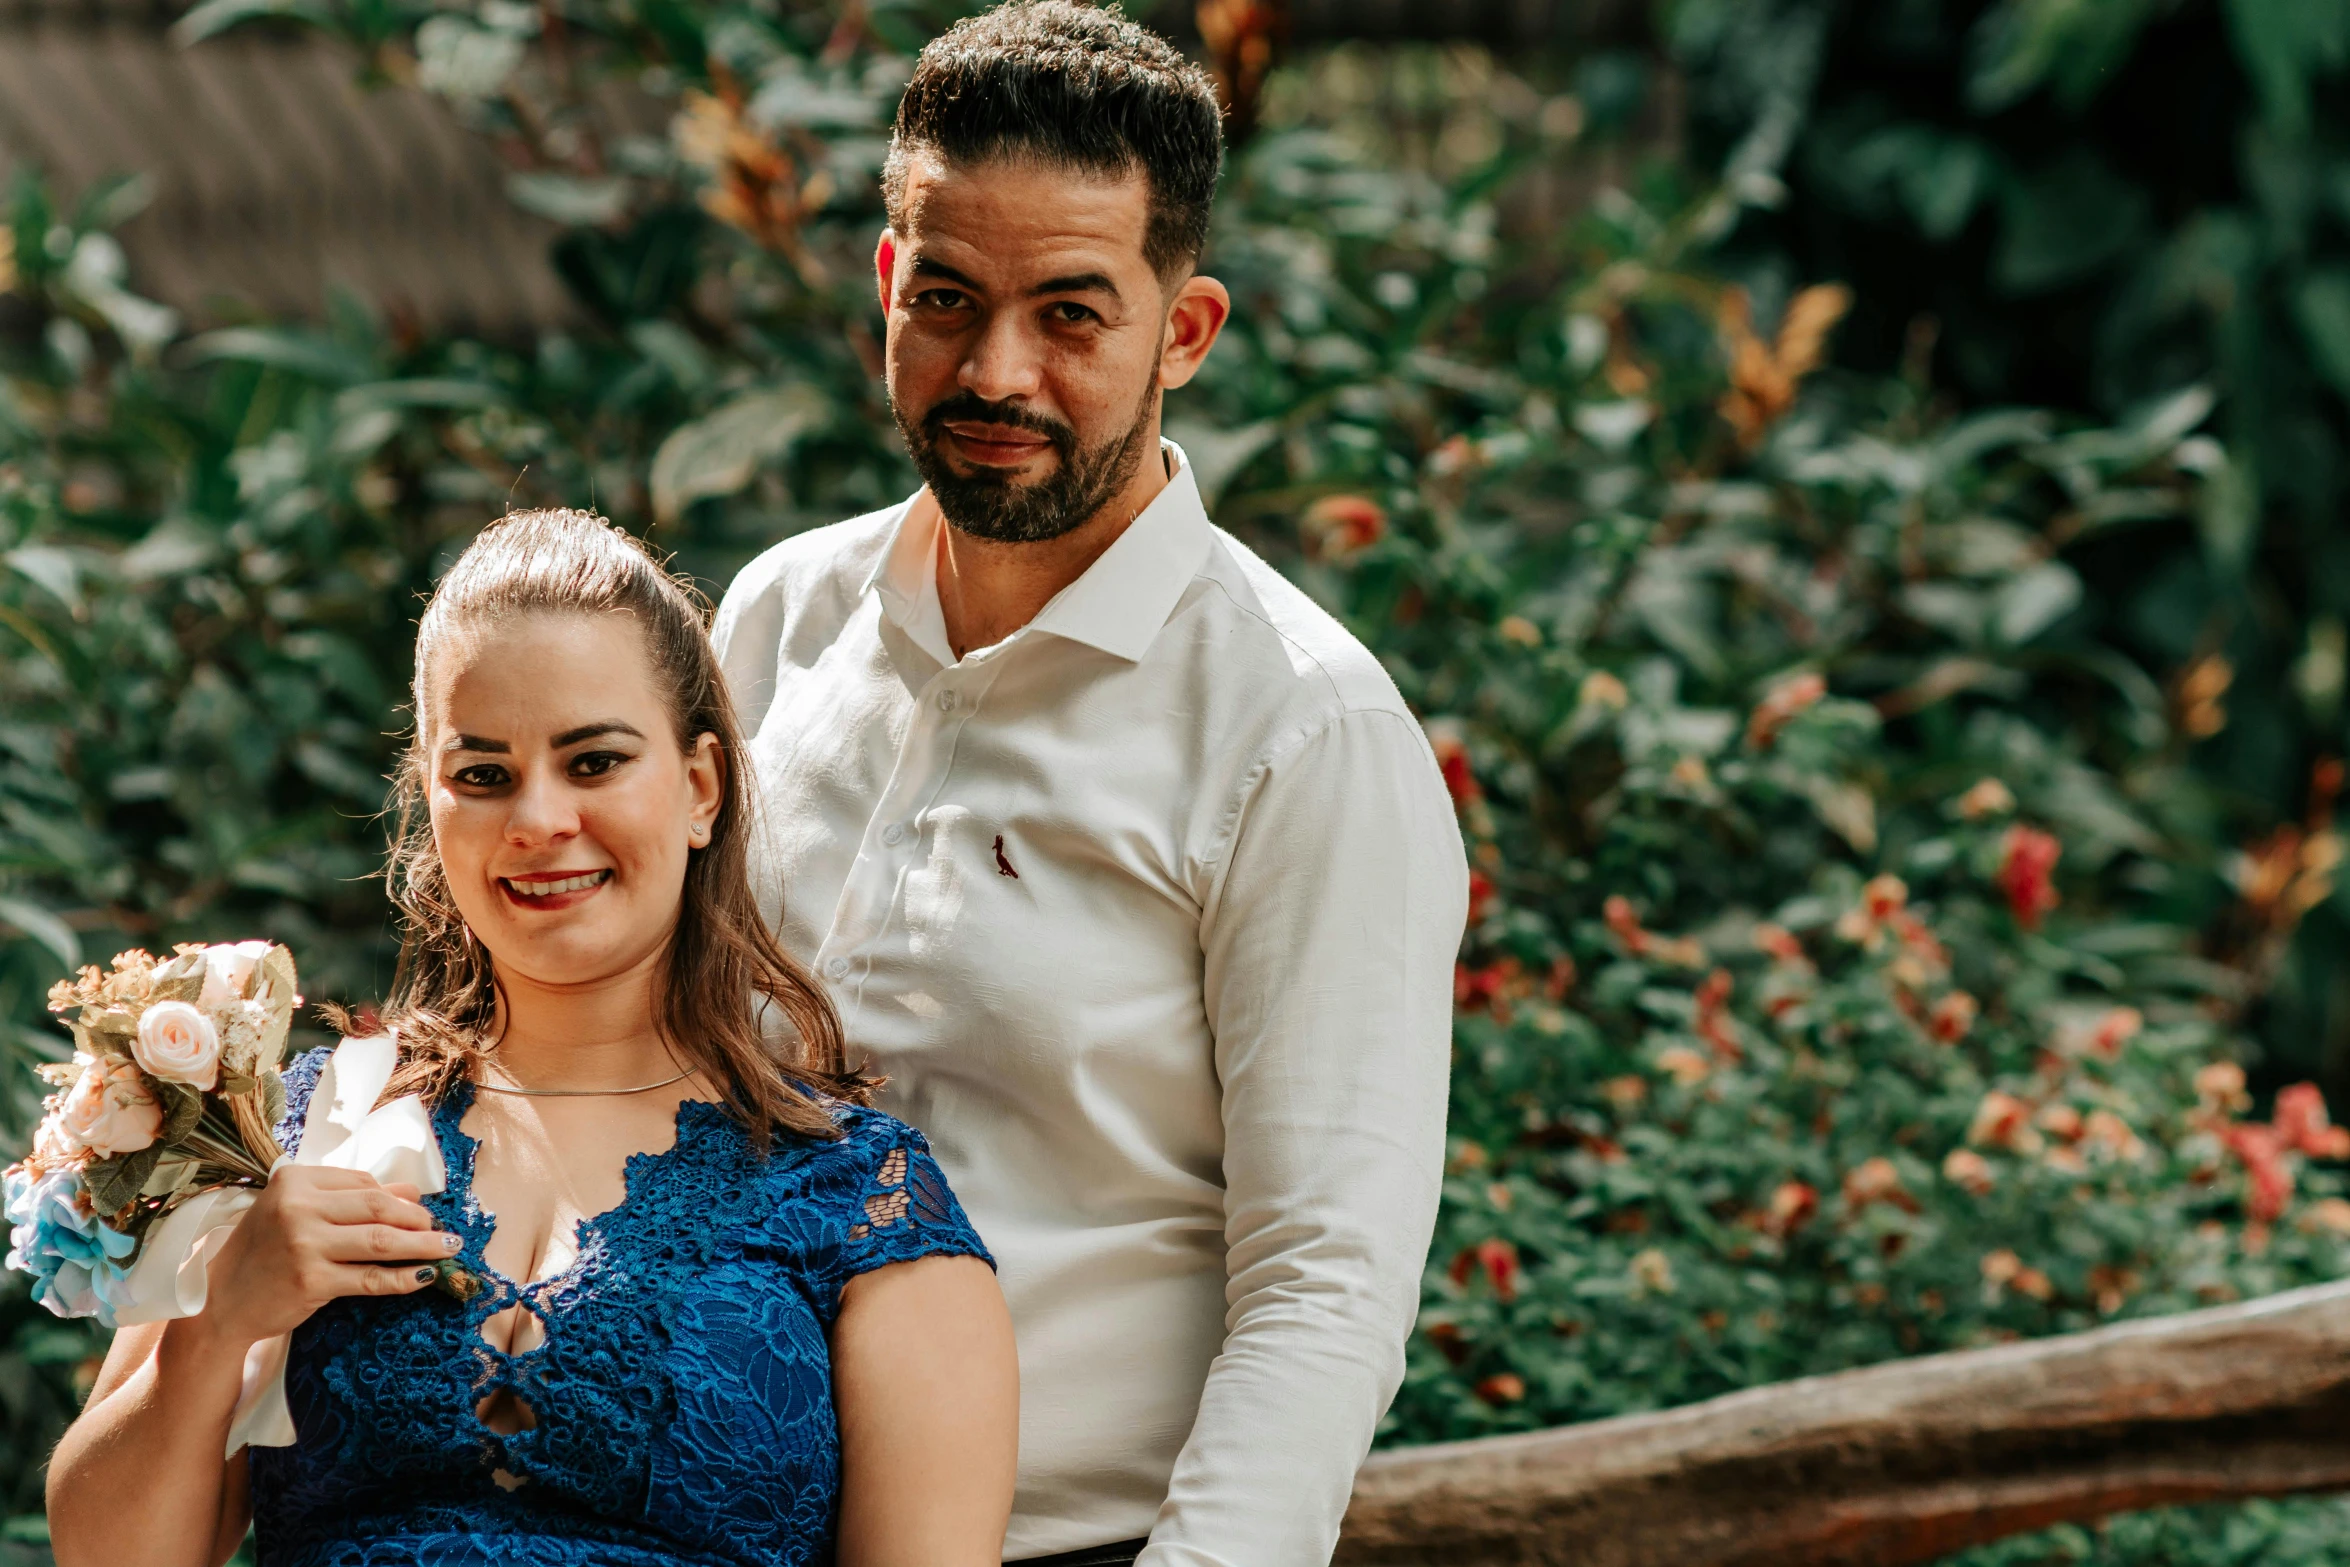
1492, 987
1780, 943
1793, 1203
1877, 1180
1337, 526
1639, 942
1480, 896
2263, 1153
1452, 760
2027, 869
1505, 1388
1498, 1258
1953, 1016
2302, 1125
1712, 1019
2121, 1025
1781, 703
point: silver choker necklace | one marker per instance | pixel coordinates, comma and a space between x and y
581, 1093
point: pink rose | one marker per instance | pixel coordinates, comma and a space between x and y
178, 1043
53, 1146
109, 1111
228, 970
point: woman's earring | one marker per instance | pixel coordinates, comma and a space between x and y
697, 832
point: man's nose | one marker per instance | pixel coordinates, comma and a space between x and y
1004, 362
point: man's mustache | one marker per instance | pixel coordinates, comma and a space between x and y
978, 410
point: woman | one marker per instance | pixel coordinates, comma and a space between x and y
728, 1314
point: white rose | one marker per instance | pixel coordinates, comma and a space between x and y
109, 1111
228, 969
178, 1043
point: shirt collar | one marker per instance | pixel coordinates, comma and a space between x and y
1117, 606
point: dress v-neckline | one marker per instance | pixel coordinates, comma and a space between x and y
480, 1226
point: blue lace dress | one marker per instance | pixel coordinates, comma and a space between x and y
682, 1396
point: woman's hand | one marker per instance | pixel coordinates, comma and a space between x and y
317, 1235
155, 1425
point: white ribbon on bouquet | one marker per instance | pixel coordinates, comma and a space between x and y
344, 1130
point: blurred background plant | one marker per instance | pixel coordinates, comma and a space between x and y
1904, 823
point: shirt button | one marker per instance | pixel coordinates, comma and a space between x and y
838, 968
893, 835
948, 701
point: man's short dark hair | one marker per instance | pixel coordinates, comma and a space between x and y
1077, 86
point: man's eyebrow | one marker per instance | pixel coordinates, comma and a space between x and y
1076, 283
610, 726
926, 266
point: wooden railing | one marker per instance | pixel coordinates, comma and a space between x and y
1899, 1463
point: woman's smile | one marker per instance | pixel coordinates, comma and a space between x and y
545, 890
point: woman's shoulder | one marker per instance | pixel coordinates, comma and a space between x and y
863, 1127
873, 1195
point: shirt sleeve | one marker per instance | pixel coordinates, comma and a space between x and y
1329, 946
886, 1200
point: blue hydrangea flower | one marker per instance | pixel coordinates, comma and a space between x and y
76, 1262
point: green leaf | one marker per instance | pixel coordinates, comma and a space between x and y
213, 17
182, 1106
2036, 600
2064, 222
428, 392
181, 979
2322, 307
569, 199
114, 1183
1217, 455
2071, 45
280, 348
718, 453
2282, 44
169, 1176
44, 927
2227, 516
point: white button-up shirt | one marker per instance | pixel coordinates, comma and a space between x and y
1149, 913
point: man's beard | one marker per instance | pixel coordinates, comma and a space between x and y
993, 505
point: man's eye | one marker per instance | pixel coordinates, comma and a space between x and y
942, 299
1066, 314
481, 775
595, 764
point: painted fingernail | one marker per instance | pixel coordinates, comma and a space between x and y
451, 1243
424, 1275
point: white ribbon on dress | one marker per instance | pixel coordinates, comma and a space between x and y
344, 1130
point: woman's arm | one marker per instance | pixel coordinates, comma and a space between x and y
140, 1476
156, 1422
928, 1388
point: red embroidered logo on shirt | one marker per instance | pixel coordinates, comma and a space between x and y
1003, 867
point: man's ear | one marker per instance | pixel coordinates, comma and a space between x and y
1194, 318
885, 265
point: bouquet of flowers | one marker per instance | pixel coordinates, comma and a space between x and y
173, 1092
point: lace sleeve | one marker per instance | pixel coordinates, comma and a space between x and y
301, 1075
900, 1206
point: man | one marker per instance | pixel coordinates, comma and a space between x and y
1123, 861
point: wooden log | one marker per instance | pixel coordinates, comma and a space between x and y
1899, 1463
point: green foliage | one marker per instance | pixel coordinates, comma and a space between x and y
1719, 654
2090, 204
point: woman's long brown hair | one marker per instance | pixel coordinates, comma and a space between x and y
724, 968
